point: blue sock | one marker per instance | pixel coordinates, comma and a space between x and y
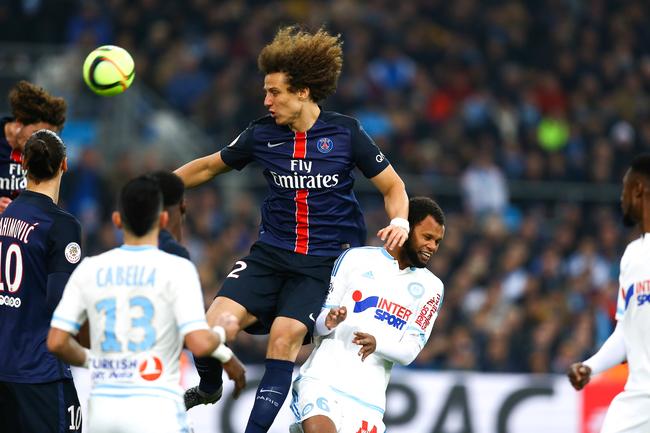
210, 371
271, 393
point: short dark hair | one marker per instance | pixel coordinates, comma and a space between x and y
171, 186
422, 207
32, 104
641, 164
44, 153
310, 60
140, 204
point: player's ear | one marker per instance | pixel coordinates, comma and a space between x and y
64, 165
164, 219
117, 219
638, 189
303, 94
182, 207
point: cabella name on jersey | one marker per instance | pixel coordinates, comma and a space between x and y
15, 228
126, 276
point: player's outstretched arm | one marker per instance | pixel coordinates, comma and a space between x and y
66, 348
396, 203
610, 354
579, 375
237, 373
202, 342
201, 170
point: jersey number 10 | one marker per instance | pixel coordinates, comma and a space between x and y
13, 259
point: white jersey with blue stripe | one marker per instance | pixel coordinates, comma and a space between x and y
633, 311
398, 307
140, 302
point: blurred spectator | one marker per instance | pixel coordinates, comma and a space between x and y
484, 187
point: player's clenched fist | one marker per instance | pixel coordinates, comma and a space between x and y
335, 316
579, 375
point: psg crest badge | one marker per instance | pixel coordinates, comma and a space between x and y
324, 145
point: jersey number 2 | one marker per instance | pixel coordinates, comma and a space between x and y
110, 343
239, 266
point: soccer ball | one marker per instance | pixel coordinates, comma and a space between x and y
109, 70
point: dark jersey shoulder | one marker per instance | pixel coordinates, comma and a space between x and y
168, 244
340, 119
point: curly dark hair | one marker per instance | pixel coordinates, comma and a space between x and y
311, 60
32, 104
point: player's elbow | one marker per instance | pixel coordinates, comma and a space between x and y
56, 341
201, 343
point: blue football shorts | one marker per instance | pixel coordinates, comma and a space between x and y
272, 282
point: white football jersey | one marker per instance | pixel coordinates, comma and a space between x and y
398, 307
140, 302
633, 311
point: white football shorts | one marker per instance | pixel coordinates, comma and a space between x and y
311, 397
136, 414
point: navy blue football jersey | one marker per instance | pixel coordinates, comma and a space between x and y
311, 207
12, 176
37, 238
168, 244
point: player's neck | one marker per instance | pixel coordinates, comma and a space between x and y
49, 188
10, 133
174, 227
397, 254
307, 118
150, 238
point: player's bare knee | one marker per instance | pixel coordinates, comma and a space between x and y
284, 347
222, 305
285, 339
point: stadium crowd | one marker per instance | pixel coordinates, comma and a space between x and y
480, 91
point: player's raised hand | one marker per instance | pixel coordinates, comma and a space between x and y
237, 373
230, 323
335, 316
4, 202
367, 342
579, 375
393, 236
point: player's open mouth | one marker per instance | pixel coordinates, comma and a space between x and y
425, 255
